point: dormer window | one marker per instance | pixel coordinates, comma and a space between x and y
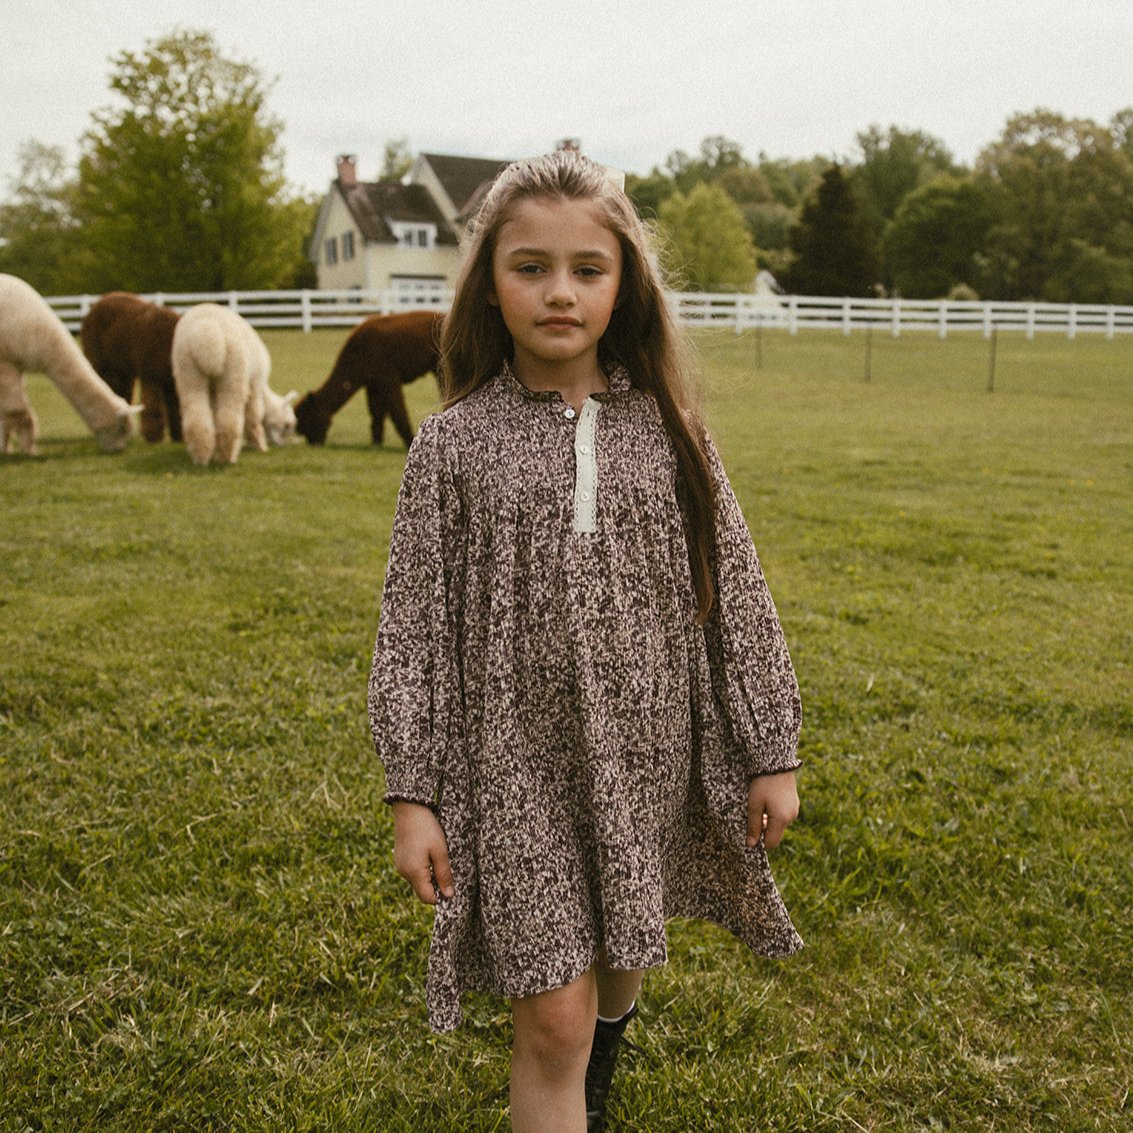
414, 235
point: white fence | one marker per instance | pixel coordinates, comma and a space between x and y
310, 309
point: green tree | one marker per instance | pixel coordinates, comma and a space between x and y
936, 236
181, 184
397, 160
710, 245
894, 163
37, 228
835, 252
1064, 195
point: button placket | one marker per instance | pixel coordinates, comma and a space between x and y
585, 468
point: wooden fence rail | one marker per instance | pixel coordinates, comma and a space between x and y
794, 313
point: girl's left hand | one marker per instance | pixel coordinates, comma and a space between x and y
772, 805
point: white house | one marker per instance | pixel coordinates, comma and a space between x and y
380, 235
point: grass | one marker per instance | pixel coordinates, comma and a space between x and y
200, 927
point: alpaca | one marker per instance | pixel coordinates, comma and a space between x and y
381, 353
128, 339
221, 368
33, 338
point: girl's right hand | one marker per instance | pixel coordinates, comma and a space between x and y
420, 853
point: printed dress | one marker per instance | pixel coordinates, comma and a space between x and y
540, 682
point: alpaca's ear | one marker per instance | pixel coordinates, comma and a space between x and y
290, 396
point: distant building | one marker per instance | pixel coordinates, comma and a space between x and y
380, 236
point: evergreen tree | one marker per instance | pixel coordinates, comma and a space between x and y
835, 253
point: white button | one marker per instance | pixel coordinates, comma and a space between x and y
568, 413
585, 497
584, 449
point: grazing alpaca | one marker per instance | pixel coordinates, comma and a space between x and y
381, 353
33, 338
127, 338
221, 368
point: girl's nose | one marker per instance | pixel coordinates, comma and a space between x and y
560, 288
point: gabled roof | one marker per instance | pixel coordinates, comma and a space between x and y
374, 204
461, 177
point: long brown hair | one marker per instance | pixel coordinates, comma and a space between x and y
643, 335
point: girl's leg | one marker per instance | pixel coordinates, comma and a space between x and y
617, 990
553, 1033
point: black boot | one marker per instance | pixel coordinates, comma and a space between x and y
608, 1041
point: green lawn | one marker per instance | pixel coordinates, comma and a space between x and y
200, 926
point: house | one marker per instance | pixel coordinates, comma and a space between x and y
388, 235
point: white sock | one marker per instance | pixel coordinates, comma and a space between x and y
603, 1019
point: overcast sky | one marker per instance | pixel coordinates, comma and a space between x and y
632, 81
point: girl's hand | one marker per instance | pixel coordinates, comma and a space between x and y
772, 805
420, 853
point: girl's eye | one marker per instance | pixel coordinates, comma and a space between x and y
589, 271
529, 269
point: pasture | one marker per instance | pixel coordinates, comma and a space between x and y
200, 926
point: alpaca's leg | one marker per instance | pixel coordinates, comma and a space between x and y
172, 409
376, 402
197, 424
231, 400
399, 413
254, 418
17, 420
153, 411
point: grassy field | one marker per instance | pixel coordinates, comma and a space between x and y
200, 926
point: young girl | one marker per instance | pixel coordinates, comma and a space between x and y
580, 693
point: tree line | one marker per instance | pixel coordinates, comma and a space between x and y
1045, 213
180, 187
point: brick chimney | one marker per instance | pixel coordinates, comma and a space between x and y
347, 170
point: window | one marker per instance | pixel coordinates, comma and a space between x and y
414, 235
348, 245
332, 251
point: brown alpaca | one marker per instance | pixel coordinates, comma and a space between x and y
381, 353
127, 338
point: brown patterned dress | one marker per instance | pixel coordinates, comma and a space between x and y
540, 682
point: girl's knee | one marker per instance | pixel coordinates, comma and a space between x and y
557, 1026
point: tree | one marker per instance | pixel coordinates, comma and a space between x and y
1064, 196
935, 238
894, 163
835, 253
396, 161
182, 187
37, 231
711, 247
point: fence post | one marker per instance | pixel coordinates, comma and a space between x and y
991, 361
305, 310
943, 320
1110, 321
1072, 322
793, 314
987, 320
847, 325
896, 317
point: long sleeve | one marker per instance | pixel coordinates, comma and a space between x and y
413, 688
752, 676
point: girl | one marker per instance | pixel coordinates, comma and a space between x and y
580, 692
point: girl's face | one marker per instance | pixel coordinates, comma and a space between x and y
556, 271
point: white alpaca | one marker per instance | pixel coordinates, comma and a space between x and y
221, 368
34, 339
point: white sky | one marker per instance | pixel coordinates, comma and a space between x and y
633, 81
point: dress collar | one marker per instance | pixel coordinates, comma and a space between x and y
617, 376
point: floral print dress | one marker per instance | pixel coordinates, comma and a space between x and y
540, 682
